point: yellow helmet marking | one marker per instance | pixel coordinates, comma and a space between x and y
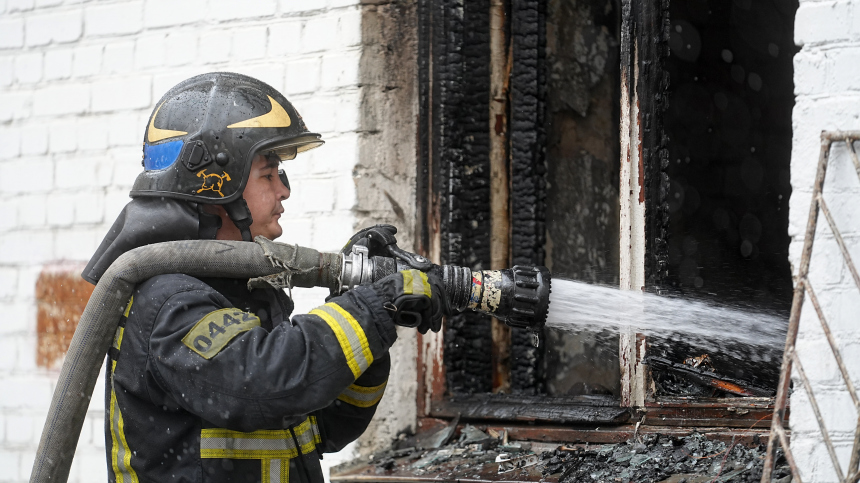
277, 117
213, 182
154, 134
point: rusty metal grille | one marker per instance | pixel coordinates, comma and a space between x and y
790, 359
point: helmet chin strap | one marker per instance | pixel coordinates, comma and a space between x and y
239, 213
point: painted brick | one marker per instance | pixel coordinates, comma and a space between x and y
124, 129
118, 58
88, 207
844, 73
75, 172
8, 284
226, 10
117, 94
60, 209
19, 5
167, 13
320, 33
115, 201
349, 28
23, 392
28, 68
812, 16
183, 49
126, 165
150, 51
296, 230
77, 244
215, 46
116, 19
331, 231
64, 26
12, 181
87, 61
48, 3
11, 33
9, 221
6, 71
343, 3
348, 112
338, 154
345, 195
21, 430
291, 6
92, 133
18, 321
10, 143
8, 359
340, 70
249, 43
303, 76
10, 460
90, 465
34, 140
285, 38
15, 105
271, 73
315, 195
58, 64
320, 114
37, 246
62, 137
61, 99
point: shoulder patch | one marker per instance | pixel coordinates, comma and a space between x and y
211, 333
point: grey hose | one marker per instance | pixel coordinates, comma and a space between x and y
95, 331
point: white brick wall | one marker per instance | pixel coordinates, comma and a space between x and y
827, 85
78, 79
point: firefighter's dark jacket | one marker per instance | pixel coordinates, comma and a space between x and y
210, 382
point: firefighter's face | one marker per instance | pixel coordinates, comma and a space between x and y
264, 194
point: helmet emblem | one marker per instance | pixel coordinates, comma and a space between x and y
213, 182
154, 134
277, 117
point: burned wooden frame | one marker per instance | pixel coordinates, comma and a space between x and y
803, 287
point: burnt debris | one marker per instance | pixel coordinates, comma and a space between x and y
653, 458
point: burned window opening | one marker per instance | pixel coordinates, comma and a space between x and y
726, 186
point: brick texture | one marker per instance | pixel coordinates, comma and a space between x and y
826, 85
78, 80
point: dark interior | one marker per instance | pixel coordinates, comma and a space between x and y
729, 128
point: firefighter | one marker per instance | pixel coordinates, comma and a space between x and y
208, 381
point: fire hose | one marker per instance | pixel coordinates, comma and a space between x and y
518, 296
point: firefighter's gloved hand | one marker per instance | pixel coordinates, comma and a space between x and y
416, 299
376, 238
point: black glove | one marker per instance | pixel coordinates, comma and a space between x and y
376, 238
417, 299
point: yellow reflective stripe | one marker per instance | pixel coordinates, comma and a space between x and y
262, 444
128, 307
407, 281
117, 338
363, 397
120, 452
350, 335
415, 282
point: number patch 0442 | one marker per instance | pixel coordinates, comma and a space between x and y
211, 333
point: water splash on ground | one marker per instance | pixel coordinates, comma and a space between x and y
577, 306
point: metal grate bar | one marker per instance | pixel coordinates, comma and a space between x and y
854, 158
839, 240
830, 340
814, 404
783, 439
802, 286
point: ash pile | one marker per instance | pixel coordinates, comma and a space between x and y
655, 458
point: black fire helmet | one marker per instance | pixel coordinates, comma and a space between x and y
204, 133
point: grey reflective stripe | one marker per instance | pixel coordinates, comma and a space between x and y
362, 396
249, 444
122, 475
351, 336
276, 470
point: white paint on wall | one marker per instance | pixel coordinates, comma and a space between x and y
78, 80
827, 86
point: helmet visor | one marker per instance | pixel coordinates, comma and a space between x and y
289, 148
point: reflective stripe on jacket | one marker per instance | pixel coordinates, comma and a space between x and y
209, 382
